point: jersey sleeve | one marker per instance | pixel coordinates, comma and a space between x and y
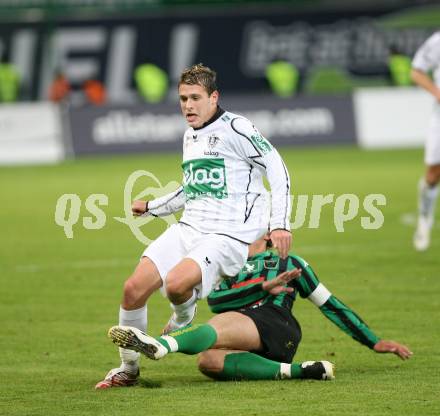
427, 56
309, 286
251, 145
167, 204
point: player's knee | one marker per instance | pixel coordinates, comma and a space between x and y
136, 293
131, 294
144, 281
210, 363
176, 287
433, 175
436, 177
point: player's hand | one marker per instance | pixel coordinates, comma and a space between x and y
281, 240
384, 346
139, 207
278, 285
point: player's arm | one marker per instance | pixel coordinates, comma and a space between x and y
279, 181
341, 315
160, 207
244, 290
260, 153
309, 286
346, 319
422, 79
426, 59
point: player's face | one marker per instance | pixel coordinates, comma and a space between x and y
197, 106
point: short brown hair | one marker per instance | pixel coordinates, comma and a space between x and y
200, 75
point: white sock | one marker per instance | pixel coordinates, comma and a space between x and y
285, 371
185, 311
138, 319
427, 199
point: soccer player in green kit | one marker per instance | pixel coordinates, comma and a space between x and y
254, 335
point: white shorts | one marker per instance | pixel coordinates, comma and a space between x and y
432, 146
217, 255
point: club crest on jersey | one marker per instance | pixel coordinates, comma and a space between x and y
205, 177
251, 266
212, 142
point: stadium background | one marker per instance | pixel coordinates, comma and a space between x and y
347, 130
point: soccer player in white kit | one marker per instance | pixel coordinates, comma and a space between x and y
225, 209
427, 59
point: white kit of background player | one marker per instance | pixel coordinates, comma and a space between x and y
427, 59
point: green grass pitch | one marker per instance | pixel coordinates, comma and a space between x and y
59, 296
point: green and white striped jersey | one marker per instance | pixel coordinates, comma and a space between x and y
246, 290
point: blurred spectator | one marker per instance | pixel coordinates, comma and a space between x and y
151, 82
9, 82
59, 89
283, 78
400, 68
328, 81
95, 92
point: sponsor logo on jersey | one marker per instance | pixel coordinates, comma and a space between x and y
205, 177
271, 264
261, 143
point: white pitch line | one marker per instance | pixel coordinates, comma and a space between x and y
102, 263
406, 219
81, 264
410, 219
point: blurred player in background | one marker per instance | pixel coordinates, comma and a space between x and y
225, 209
255, 336
427, 59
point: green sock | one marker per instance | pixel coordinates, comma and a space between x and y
191, 339
249, 366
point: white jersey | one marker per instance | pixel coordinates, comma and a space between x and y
224, 163
427, 57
